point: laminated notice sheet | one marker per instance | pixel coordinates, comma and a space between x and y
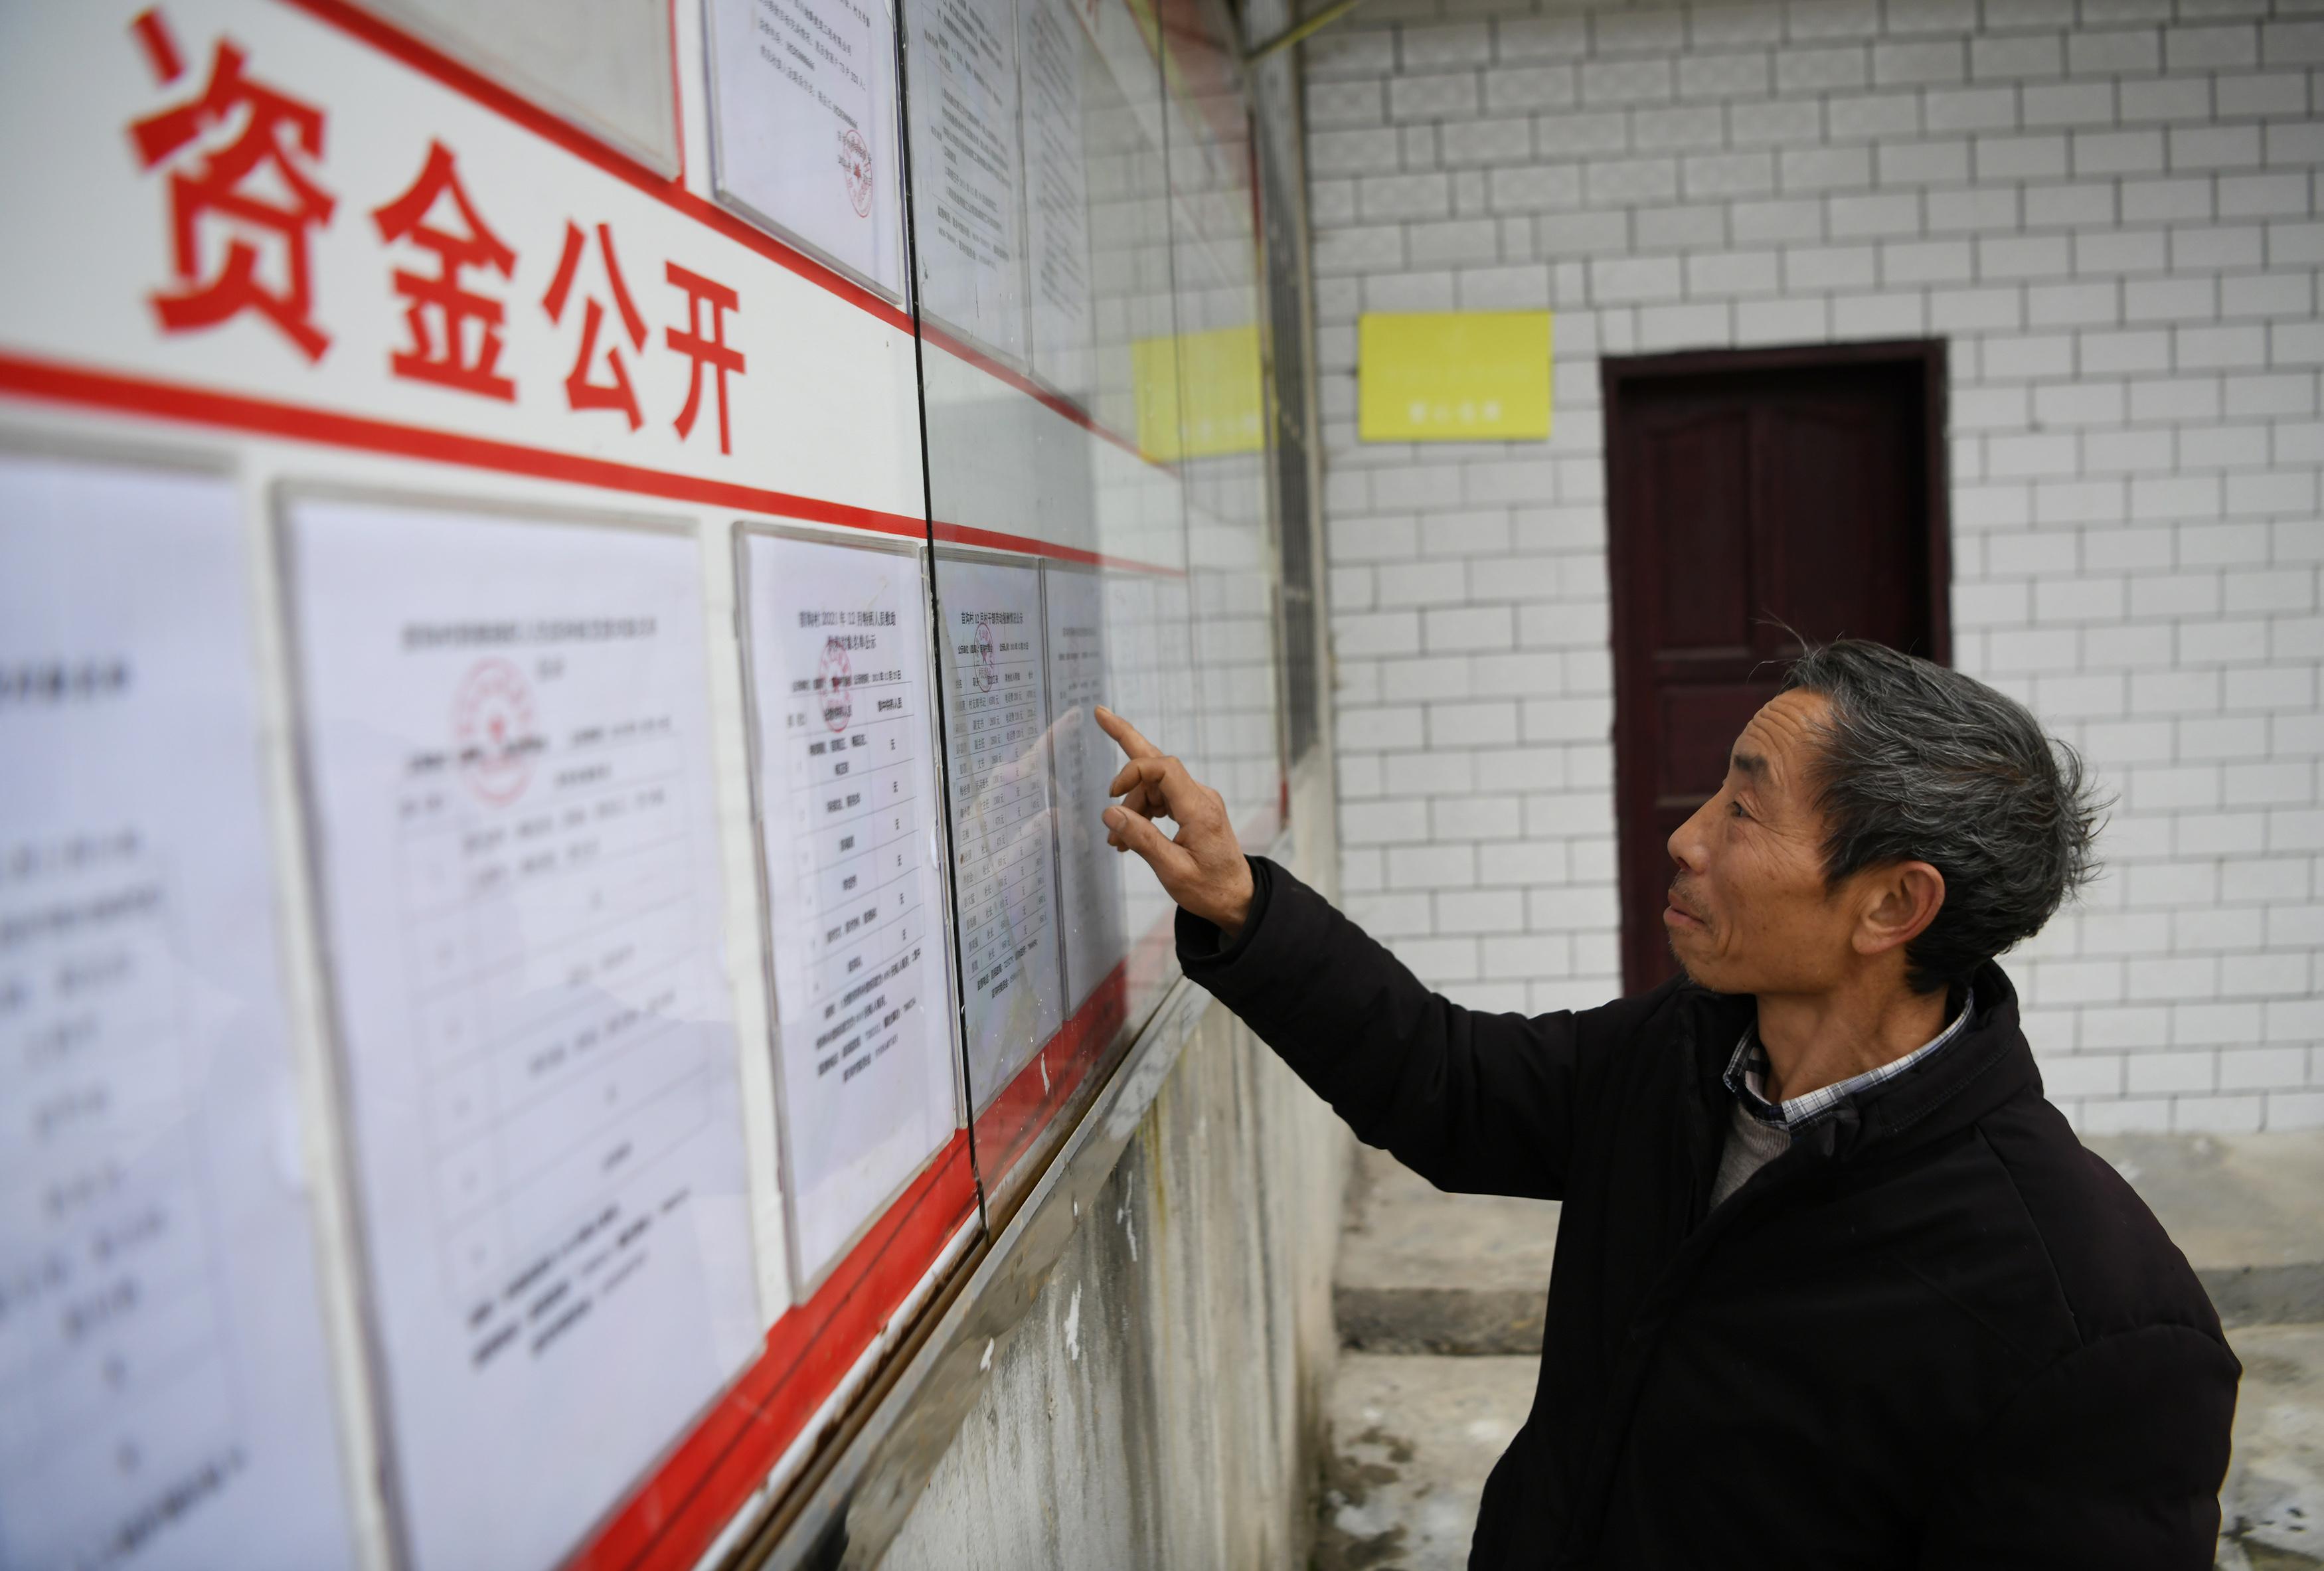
804, 126
988, 617
165, 1392
1056, 197
1089, 871
506, 744
966, 164
850, 830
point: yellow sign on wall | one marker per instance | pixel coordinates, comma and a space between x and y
1452, 376
1200, 395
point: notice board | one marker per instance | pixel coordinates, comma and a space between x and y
556, 736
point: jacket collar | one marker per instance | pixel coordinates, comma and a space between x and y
1746, 1074
1986, 1065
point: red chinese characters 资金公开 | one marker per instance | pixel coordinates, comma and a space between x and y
244, 161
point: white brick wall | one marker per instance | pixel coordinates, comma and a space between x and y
2111, 212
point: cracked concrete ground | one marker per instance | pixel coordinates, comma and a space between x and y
2272, 1507
1413, 1435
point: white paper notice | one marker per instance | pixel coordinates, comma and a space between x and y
508, 748
991, 616
803, 122
848, 813
1056, 192
966, 167
165, 1395
1089, 871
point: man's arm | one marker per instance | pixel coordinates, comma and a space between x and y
1472, 1102
2111, 1458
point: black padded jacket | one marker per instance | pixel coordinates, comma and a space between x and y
1934, 1333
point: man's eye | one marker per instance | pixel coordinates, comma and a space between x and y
1735, 809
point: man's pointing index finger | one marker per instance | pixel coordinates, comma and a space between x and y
1132, 741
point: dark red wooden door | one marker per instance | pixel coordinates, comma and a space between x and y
1754, 499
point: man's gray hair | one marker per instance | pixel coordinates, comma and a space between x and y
1920, 763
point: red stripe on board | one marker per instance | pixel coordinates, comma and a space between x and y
668, 1522
1057, 402
968, 534
266, 417
45, 379
1005, 1130
429, 62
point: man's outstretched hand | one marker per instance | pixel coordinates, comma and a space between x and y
1203, 869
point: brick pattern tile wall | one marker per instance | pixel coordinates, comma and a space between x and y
2111, 212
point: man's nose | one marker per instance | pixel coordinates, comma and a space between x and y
1686, 842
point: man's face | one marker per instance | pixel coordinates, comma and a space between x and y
1748, 911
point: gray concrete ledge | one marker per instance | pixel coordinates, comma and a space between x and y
1485, 1322
1403, 1231
1424, 1271
2265, 1295
1467, 1321
2247, 1211
2229, 1201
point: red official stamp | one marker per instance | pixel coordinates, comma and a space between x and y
987, 674
855, 164
493, 731
835, 685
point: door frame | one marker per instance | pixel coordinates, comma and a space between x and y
1621, 378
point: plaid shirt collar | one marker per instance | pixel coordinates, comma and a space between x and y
1747, 1077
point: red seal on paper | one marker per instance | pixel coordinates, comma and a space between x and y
834, 686
987, 674
855, 164
493, 731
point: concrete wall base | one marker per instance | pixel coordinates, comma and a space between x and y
1161, 1402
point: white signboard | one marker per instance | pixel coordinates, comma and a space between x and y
803, 123
966, 167
164, 1389
1056, 191
507, 749
418, 273
1085, 759
990, 617
849, 824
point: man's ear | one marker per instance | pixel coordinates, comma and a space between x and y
1901, 900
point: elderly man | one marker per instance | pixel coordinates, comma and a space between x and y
1835, 1286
